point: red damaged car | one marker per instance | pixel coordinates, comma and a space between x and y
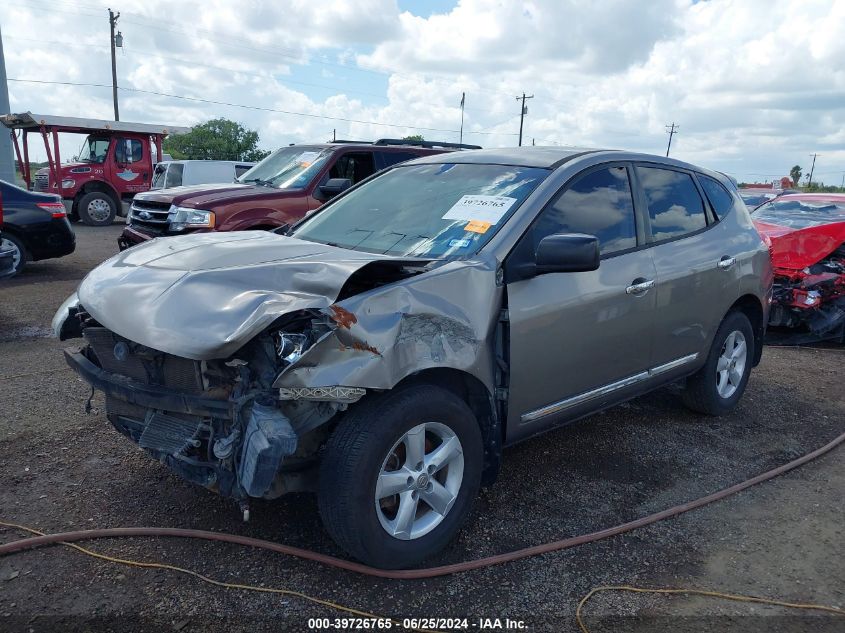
806, 233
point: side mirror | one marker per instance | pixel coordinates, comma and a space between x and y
335, 186
567, 253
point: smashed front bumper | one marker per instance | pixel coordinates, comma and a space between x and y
809, 305
231, 444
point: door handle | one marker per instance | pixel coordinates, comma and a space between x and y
726, 262
639, 286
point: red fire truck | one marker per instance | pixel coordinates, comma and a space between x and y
115, 161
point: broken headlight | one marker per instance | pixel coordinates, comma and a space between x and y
291, 347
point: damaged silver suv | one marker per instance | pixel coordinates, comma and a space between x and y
385, 350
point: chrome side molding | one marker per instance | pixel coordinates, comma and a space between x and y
562, 405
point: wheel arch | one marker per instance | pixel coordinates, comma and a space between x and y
751, 307
472, 391
249, 220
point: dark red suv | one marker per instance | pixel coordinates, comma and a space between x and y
279, 190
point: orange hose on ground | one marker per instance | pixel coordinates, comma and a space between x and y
411, 574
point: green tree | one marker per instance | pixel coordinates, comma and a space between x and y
217, 139
414, 137
795, 174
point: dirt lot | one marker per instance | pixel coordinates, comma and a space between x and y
62, 469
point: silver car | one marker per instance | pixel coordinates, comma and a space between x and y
385, 350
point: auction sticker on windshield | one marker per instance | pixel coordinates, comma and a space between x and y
480, 208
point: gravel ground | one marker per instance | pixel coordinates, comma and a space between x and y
62, 470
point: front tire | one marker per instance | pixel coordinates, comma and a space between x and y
96, 209
717, 387
399, 475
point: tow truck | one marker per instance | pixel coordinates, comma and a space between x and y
115, 161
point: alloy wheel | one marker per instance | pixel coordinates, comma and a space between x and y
730, 366
419, 481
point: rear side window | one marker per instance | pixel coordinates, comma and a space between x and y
674, 206
174, 175
600, 204
719, 198
391, 158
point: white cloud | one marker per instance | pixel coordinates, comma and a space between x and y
755, 86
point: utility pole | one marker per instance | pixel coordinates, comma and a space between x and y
463, 99
522, 112
672, 129
7, 162
112, 23
810, 181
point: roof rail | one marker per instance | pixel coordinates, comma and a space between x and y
345, 142
431, 144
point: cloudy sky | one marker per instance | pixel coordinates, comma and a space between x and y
755, 86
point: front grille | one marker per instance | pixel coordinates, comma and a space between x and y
150, 215
41, 182
142, 363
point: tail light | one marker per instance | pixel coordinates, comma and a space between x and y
56, 209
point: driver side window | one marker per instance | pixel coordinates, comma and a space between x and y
599, 203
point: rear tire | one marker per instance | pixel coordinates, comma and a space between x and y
20, 257
97, 209
717, 387
391, 442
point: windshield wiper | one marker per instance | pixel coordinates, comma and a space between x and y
259, 181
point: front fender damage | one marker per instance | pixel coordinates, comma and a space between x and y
444, 319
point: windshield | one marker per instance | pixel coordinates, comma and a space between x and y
431, 211
800, 214
94, 150
289, 167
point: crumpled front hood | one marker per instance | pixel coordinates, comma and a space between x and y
795, 249
205, 295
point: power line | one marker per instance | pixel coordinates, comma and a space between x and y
240, 105
187, 62
227, 40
